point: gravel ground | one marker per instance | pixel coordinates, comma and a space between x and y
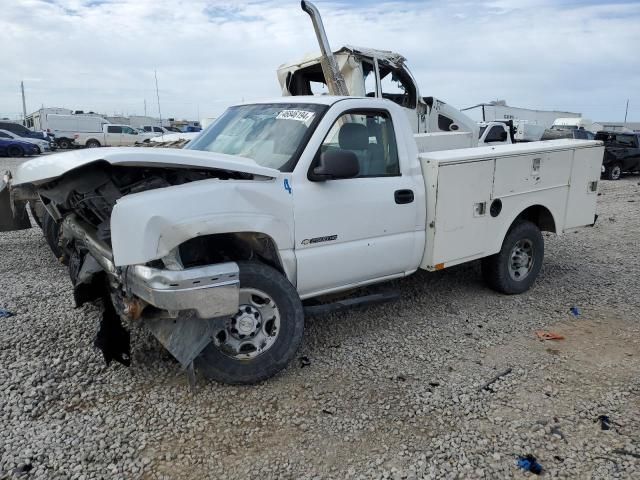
393, 391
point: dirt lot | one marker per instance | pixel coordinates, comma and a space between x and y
393, 391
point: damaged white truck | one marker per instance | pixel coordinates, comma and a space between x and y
214, 247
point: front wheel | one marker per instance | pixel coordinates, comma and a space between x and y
613, 171
15, 151
515, 267
263, 336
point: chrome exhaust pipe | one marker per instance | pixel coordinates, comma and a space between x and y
332, 74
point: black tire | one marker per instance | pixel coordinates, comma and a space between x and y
51, 231
498, 270
64, 143
613, 171
15, 151
221, 367
92, 143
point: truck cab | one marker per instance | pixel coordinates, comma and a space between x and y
495, 133
379, 74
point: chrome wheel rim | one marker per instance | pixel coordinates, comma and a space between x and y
253, 329
521, 260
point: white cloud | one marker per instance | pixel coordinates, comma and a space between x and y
100, 55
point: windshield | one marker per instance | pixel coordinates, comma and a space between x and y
564, 127
271, 134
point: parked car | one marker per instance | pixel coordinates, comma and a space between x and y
22, 131
42, 144
17, 148
621, 153
155, 129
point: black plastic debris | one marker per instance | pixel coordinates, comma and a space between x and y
6, 313
112, 338
575, 311
529, 463
22, 469
304, 361
605, 422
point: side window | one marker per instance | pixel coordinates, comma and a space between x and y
147, 129
129, 130
371, 137
5, 135
496, 134
157, 129
397, 86
114, 129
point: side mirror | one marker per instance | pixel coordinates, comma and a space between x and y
335, 164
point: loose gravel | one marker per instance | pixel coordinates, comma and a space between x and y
392, 391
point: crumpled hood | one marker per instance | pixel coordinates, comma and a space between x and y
49, 167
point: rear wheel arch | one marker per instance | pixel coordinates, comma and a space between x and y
540, 216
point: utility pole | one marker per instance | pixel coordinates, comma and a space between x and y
145, 107
158, 96
24, 105
626, 110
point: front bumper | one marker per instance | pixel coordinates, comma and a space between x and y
211, 291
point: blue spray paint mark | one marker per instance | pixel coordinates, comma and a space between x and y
287, 187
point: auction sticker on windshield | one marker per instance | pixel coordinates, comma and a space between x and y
300, 115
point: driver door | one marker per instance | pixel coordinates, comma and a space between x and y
354, 230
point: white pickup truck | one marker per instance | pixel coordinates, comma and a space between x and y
112, 135
215, 247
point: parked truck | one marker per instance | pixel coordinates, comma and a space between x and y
112, 135
215, 247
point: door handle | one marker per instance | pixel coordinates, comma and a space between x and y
403, 196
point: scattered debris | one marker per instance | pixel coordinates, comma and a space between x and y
544, 335
558, 458
304, 361
495, 379
529, 463
622, 451
605, 422
22, 469
556, 431
575, 311
401, 377
631, 201
328, 411
434, 384
6, 313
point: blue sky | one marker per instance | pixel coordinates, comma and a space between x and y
101, 54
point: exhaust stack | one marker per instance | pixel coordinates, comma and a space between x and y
332, 74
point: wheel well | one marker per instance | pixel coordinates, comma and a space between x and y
92, 140
540, 216
224, 247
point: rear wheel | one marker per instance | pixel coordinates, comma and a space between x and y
515, 267
263, 336
15, 151
613, 171
93, 144
64, 143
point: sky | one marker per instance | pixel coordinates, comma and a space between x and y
100, 55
